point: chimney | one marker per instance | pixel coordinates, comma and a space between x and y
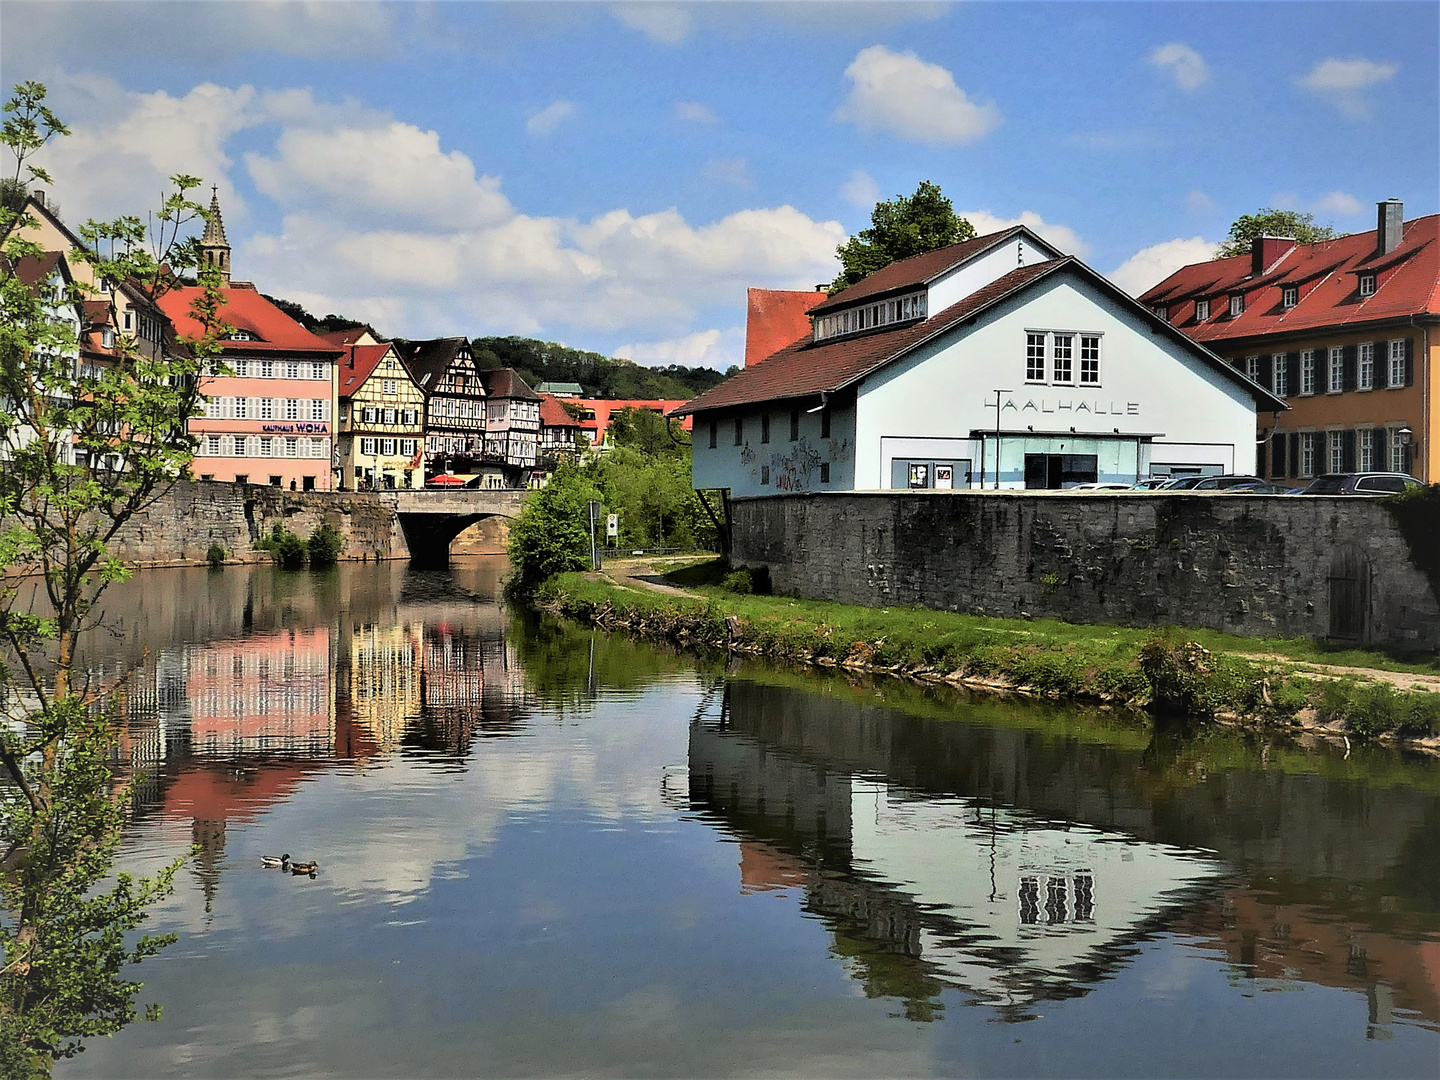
39, 196
1389, 225
1266, 251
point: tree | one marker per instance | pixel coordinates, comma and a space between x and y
1270, 222
86, 446
551, 535
899, 228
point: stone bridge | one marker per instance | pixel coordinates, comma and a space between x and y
431, 519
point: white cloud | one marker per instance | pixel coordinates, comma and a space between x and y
1197, 202
550, 117
728, 171
667, 24
861, 190
1152, 265
692, 112
1341, 82
1183, 64
1339, 202
901, 94
1062, 236
717, 349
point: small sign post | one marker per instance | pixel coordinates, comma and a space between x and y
612, 526
593, 509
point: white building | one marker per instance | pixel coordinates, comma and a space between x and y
899, 383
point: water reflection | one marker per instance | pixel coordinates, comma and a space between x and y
586, 841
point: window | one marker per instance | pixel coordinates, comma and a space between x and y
794, 425
1367, 284
764, 475
292, 369
130, 322
292, 447
407, 447
1237, 305
1089, 360
1034, 357
267, 446
267, 408
1280, 374
1163, 311
242, 368
825, 423
240, 442
824, 472
242, 478
212, 445
390, 387
1063, 354
267, 369
764, 427
1336, 380
407, 417
1307, 453
1202, 310
739, 430
317, 448
292, 408
869, 316
1365, 443
242, 408
1397, 367
389, 416
1397, 451
713, 433
1335, 442
387, 447
1289, 296
1307, 371
317, 371
1365, 368
1252, 368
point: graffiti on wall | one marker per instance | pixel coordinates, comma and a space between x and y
792, 472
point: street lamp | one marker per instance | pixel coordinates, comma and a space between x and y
997, 435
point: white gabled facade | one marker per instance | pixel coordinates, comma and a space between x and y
1093, 387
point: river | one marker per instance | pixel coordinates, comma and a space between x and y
546, 851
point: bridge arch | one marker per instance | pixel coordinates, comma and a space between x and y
431, 519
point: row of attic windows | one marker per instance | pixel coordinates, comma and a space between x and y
868, 316
1289, 297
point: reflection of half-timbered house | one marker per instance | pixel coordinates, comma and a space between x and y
444, 369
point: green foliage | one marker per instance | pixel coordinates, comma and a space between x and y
1269, 222
649, 433
1417, 512
1376, 708
601, 376
552, 533
653, 495
738, 581
215, 556
324, 546
285, 547
66, 927
899, 228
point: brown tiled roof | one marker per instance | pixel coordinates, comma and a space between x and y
505, 383
427, 361
1407, 280
914, 271
806, 369
31, 270
347, 337
358, 364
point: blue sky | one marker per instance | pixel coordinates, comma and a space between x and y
614, 176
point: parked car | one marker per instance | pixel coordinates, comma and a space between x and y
1361, 483
1262, 487
1181, 483
1150, 483
1102, 485
1210, 483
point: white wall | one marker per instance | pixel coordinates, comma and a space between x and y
1148, 383
974, 275
794, 466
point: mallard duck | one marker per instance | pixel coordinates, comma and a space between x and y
304, 867
274, 860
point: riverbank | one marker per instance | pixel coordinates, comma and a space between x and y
1203, 675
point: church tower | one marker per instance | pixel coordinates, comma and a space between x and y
214, 248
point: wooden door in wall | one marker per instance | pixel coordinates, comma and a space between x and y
1349, 581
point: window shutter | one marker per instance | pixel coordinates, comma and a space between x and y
1292, 361
1294, 442
1267, 372
1277, 455
1409, 361
1347, 451
1347, 381
1260, 459
1382, 451
1382, 365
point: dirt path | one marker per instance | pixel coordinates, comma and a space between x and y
1401, 680
645, 574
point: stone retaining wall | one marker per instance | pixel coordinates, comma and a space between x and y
1300, 566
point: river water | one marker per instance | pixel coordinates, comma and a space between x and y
545, 851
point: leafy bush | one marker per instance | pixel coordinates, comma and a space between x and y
552, 533
738, 581
324, 546
1417, 513
285, 547
215, 556
1377, 708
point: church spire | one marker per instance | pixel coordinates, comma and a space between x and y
214, 248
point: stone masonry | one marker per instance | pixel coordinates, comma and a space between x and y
1300, 566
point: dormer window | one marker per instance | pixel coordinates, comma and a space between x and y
869, 316
1367, 284
1289, 296
242, 335
107, 337
1202, 310
1237, 305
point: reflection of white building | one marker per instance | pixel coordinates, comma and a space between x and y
1021, 903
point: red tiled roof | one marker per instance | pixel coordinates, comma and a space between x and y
806, 368
245, 309
553, 414
505, 383
358, 363
774, 318
346, 337
914, 271
1407, 283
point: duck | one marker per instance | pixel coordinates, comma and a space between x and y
304, 867
275, 860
